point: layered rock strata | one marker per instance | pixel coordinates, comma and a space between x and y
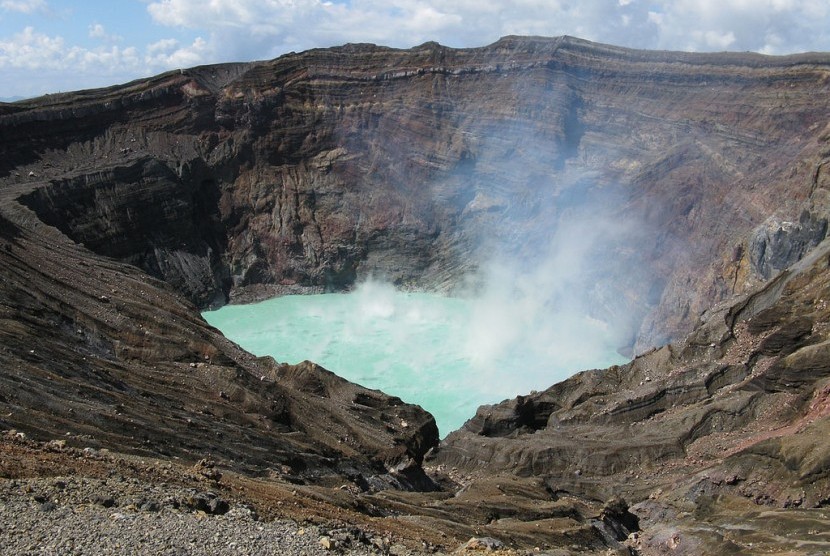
422, 166
699, 433
691, 178
99, 351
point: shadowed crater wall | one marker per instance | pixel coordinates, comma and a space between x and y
674, 196
424, 166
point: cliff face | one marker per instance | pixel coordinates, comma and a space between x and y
735, 417
97, 352
671, 182
423, 165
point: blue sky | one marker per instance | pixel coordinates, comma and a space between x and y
55, 45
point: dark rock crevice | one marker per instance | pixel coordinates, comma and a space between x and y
143, 214
776, 245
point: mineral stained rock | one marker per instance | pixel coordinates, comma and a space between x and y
687, 196
736, 415
698, 175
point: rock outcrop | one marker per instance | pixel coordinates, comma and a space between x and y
98, 350
423, 165
686, 194
737, 414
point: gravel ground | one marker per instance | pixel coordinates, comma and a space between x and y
76, 516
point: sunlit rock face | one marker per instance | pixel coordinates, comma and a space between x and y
546, 175
639, 182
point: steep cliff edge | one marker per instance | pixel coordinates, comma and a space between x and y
97, 352
735, 416
425, 165
692, 179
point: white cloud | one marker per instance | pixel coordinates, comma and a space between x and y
714, 40
167, 54
234, 30
162, 47
257, 29
23, 6
97, 31
29, 58
230, 13
32, 50
35, 63
768, 26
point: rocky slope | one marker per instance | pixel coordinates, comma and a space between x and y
423, 165
735, 417
100, 350
683, 193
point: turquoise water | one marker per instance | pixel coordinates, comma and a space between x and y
448, 355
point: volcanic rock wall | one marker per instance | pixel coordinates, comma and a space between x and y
98, 353
419, 166
698, 177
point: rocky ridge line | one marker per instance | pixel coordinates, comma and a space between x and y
117, 222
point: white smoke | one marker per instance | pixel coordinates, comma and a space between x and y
538, 320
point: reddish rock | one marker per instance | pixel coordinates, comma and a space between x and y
698, 184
